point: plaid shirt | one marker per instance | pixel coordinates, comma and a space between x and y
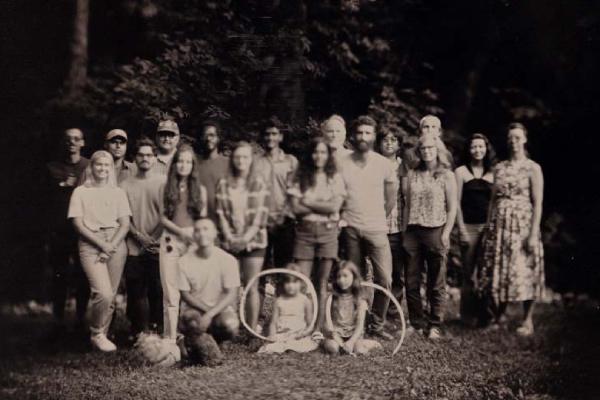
257, 211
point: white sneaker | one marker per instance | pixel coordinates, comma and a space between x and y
101, 342
435, 333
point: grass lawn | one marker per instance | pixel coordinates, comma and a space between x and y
562, 361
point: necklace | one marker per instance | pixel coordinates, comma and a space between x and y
182, 186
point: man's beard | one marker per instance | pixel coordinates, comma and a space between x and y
363, 146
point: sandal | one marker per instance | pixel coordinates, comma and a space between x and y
317, 336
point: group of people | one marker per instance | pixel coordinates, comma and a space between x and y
188, 230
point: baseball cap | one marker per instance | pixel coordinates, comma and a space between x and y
116, 133
168, 126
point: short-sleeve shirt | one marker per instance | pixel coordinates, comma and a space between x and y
127, 170
210, 172
145, 199
365, 202
278, 172
162, 164
325, 189
99, 207
207, 278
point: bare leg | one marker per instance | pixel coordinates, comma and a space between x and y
251, 266
528, 307
331, 346
324, 271
305, 267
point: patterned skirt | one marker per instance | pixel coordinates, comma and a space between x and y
508, 271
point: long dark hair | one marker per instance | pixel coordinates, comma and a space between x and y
490, 154
172, 192
356, 289
307, 169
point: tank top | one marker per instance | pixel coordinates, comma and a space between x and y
476, 197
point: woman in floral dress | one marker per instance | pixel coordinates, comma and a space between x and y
513, 257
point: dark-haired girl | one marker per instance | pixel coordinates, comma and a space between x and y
184, 202
345, 331
316, 198
513, 264
474, 181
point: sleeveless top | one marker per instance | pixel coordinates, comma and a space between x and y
344, 314
427, 199
476, 197
291, 314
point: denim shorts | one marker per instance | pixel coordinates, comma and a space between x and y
316, 239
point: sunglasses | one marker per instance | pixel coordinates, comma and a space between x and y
167, 134
118, 140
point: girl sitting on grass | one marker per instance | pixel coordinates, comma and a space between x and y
345, 326
291, 318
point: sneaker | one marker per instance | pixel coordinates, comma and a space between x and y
435, 334
411, 331
101, 342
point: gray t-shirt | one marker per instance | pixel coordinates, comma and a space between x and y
145, 200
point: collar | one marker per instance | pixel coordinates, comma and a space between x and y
279, 157
165, 158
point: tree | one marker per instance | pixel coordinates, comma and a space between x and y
77, 75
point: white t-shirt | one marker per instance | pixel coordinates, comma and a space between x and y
365, 187
207, 278
99, 207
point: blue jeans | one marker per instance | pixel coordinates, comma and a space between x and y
425, 243
104, 278
359, 244
398, 263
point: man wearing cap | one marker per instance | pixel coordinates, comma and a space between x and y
167, 139
115, 143
63, 176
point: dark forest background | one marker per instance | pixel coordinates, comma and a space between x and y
478, 64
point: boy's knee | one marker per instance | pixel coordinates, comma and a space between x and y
331, 346
230, 325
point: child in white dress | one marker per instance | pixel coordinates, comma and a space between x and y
290, 322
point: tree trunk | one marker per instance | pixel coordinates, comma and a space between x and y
77, 75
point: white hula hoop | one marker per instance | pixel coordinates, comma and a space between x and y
309, 285
388, 294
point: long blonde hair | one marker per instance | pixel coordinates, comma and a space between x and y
88, 179
443, 155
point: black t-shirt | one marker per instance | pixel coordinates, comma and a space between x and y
63, 178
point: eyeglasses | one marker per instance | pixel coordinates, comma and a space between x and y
73, 140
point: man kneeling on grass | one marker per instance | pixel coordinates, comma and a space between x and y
209, 280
